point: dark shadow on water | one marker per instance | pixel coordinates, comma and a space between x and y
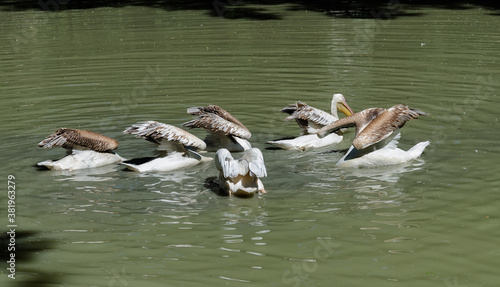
27, 244
211, 183
341, 151
263, 10
41, 280
273, 148
40, 167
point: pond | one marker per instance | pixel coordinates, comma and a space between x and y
432, 222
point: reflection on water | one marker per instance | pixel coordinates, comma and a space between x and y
104, 173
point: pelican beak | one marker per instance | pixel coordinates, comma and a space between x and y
262, 191
344, 108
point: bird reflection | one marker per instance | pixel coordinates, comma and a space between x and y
104, 173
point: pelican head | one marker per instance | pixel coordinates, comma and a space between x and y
339, 103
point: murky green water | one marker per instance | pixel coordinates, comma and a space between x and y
433, 222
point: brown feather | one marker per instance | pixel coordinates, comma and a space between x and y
373, 125
214, 109
217, 124
156, 132
358, 120
302, 111
384, 124
218, 120
70, 138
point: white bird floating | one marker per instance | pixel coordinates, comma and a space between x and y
177, 147
377, 136
224, 130
240, 177
310, 120
86, 149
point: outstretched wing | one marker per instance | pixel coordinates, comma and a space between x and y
302, 111
385, 124
216, 110
159, 133
359, 120
218, 124
72, 138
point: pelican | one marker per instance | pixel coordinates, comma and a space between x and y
224, 130
86, 149
377, 136
240, 177
310, 120
177, 147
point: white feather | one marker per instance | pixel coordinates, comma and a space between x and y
80, 159
240, 176
173, 161
390, 154
174, 144
308, 141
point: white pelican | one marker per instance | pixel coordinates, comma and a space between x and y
224, 130
240, 177
177, 147
85, 149
310, 120
377, 136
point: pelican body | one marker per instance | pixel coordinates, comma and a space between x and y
224, 130
240, 177
86, 149
377, 136
310, 120
176, 147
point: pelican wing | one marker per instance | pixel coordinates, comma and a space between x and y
303, 112
225, 162
384, 125
217, 124
359, 120
214, 109
255, 161
159, 133
71, 138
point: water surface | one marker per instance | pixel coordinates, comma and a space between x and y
432, 222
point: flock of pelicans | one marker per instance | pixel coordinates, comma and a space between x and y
375, 143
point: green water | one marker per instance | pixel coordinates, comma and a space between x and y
432, 222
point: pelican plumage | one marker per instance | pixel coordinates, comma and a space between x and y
310, 120
224, 130
177, 148
377, 136
86, 149
240, 177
